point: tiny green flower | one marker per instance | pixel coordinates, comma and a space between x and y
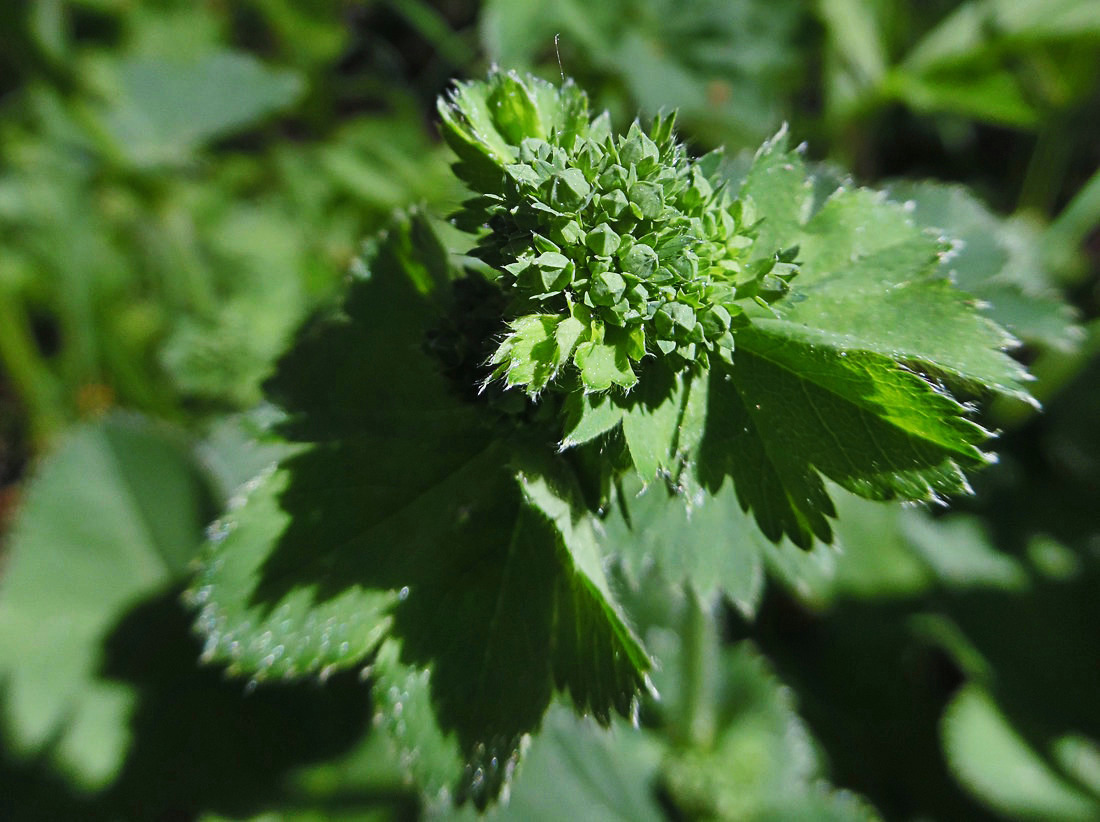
647, 239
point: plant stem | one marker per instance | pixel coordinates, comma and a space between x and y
29, 375
696, 673
1046, 170
1079, 218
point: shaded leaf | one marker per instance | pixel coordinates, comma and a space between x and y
735, 746
114, 515
711, 545
578, 769
407, 534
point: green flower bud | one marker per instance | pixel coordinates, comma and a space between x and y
602, 240
640, 260
628, 234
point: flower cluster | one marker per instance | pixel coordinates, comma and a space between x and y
612, 248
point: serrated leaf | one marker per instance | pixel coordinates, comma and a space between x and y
760, 762
530, 355
734, 745
779, 189
1000, 261
468, 580
586, 416
114, 515
399, 533
795, 403
711, 545
651, 420
576, 769
604, 364
872, 276
867, 271
480, 121
587, 602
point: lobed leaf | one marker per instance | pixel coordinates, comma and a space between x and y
406, 534
795, 403
835, 372
710, 545
999, 261
868, 272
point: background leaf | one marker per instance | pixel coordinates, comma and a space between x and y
999, 261
160, 110
114, 515
994, 762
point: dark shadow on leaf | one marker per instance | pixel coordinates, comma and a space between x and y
476, 567
406, 489
202, 743
874, 688
32, 790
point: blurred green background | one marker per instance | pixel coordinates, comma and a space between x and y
183, 181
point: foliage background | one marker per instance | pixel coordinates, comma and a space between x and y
181, 183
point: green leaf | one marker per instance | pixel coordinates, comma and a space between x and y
409, 535
845, 378
976, 91
761, 763
586, 416
778, 186
867, 272
959, 552
596, 656
225, 352
858, 38
604, 364
870, 275
651, 421
536, 348
711, 545
157, 111
483, 122
992, 760
112, 516
969, 62
796, 402
734, 745
575, 769
999, 261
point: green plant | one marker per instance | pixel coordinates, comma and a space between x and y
935, 660
448, 539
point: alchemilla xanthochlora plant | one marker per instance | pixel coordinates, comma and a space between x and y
465, 433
